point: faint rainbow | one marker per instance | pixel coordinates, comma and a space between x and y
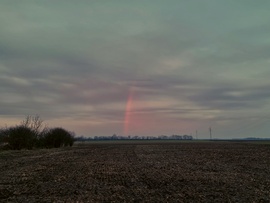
128, 112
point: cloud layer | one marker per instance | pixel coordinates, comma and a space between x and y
189, 65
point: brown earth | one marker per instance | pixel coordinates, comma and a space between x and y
138, 172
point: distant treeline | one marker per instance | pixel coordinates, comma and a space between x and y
118, 137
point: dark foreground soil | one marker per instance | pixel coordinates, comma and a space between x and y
138, 172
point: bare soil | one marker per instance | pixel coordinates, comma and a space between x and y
138, 172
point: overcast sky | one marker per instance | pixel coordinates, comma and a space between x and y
137, 67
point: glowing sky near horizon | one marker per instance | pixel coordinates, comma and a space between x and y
137, 67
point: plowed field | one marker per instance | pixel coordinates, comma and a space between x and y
138, 172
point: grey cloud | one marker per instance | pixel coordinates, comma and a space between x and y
229, 98
79, 60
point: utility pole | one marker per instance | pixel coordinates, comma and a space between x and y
196, 134
210, 130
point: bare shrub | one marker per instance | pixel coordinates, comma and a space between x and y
32, 133
20, 137
58, 137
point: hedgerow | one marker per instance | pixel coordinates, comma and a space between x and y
32, 133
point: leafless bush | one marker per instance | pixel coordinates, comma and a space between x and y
33, 133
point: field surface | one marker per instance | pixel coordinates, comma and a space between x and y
138, 172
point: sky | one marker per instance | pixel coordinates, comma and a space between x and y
144, 67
